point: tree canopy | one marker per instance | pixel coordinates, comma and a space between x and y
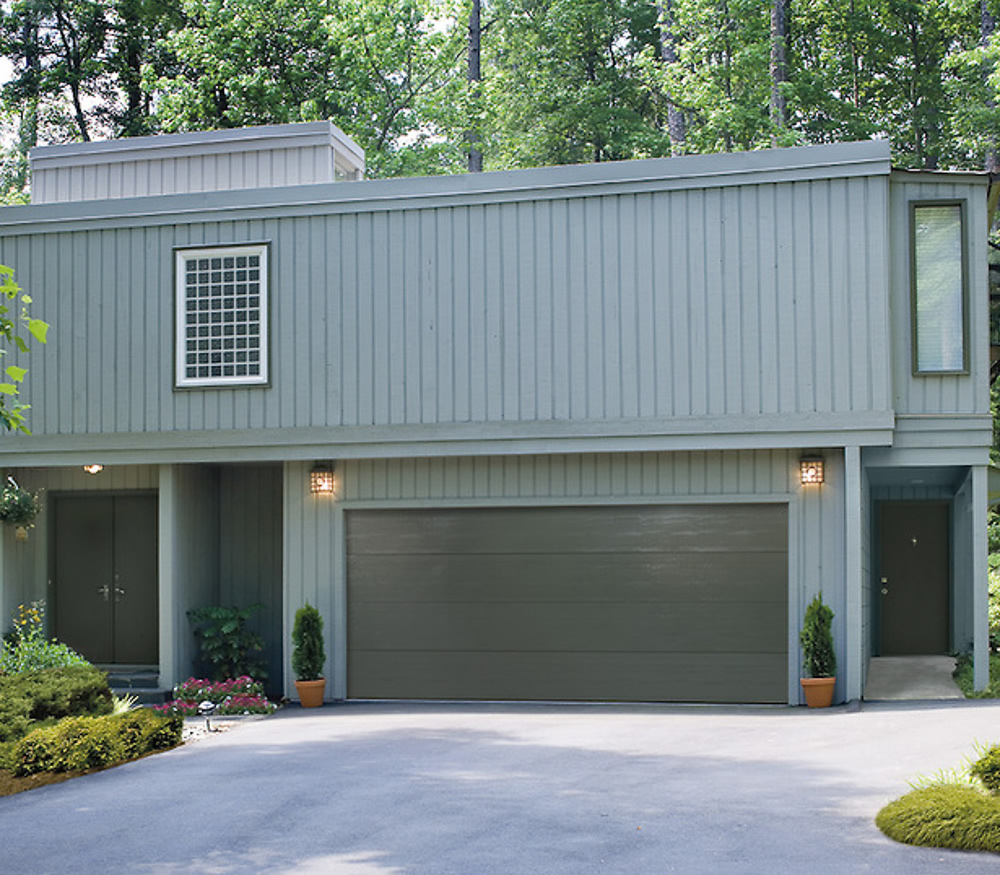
551, 81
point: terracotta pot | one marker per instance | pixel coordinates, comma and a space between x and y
819, 691
311, 692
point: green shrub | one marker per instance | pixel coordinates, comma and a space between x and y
26, 648
78, 743
308, 654
987, 769
819, 659
227, 647
50, 694
954, 816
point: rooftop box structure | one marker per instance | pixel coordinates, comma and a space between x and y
261, 157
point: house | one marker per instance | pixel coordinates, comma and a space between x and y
583, 433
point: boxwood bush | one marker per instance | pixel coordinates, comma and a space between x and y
93, 742
48, 695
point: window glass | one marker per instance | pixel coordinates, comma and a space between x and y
938, 288
222, 316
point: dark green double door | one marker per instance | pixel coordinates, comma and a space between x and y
105, 576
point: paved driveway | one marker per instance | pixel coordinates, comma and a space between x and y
468, 789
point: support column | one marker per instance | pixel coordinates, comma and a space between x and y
854, 575
980, 581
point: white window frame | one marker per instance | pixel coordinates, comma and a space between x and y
227, 347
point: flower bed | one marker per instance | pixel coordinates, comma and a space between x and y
242, 695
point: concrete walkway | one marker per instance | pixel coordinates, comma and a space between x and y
475, 789
908, 678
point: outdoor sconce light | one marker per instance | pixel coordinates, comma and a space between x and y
811, 470
321, 480
93, 469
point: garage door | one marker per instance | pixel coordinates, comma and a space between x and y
681, 604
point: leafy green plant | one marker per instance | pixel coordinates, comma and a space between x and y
987, 769
308, 654
819, 659
18, 507
26, 648
228, 648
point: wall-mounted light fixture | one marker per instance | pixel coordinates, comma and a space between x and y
321, 480
811, 470
93, 469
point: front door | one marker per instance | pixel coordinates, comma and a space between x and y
913, 580
105, 576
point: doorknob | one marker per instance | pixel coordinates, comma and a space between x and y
885, 586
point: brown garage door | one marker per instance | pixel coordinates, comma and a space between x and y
665, 603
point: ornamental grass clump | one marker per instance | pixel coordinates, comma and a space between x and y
955, 816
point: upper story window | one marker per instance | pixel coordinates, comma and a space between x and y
938, 289
222, 316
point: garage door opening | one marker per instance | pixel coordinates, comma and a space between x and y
633, 603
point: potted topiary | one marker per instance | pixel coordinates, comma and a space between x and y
819, 660
308, 656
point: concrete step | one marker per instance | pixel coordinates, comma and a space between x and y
140, 681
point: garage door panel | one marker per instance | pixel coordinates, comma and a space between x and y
662, 577
737, 626
656, 677
657, 603
747, 528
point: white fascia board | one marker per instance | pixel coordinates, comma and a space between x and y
805, 163
469, 439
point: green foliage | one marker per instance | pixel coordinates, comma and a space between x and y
27, 650
17, 328
18, 507
987, 769
228, 648
50, 694
819, 659
308, 654
94, 742
944, 816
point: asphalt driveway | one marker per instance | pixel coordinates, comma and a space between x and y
372, 789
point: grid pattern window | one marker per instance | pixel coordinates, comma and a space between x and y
938, 276
222, 316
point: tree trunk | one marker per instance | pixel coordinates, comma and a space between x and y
676, 126
987, 27
474, 78
779, 66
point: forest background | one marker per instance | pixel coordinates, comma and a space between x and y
443, 86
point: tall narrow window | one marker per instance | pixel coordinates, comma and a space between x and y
938, 289
222, 316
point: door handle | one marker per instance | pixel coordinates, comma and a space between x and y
104, 591
885, 586
119, 592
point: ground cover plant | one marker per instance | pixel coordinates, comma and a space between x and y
58, 718
242, 695
960, 811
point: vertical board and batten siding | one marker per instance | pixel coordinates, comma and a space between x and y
250, 538
947, 393
314, 561
755, 300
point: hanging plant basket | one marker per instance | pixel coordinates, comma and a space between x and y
18, 507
